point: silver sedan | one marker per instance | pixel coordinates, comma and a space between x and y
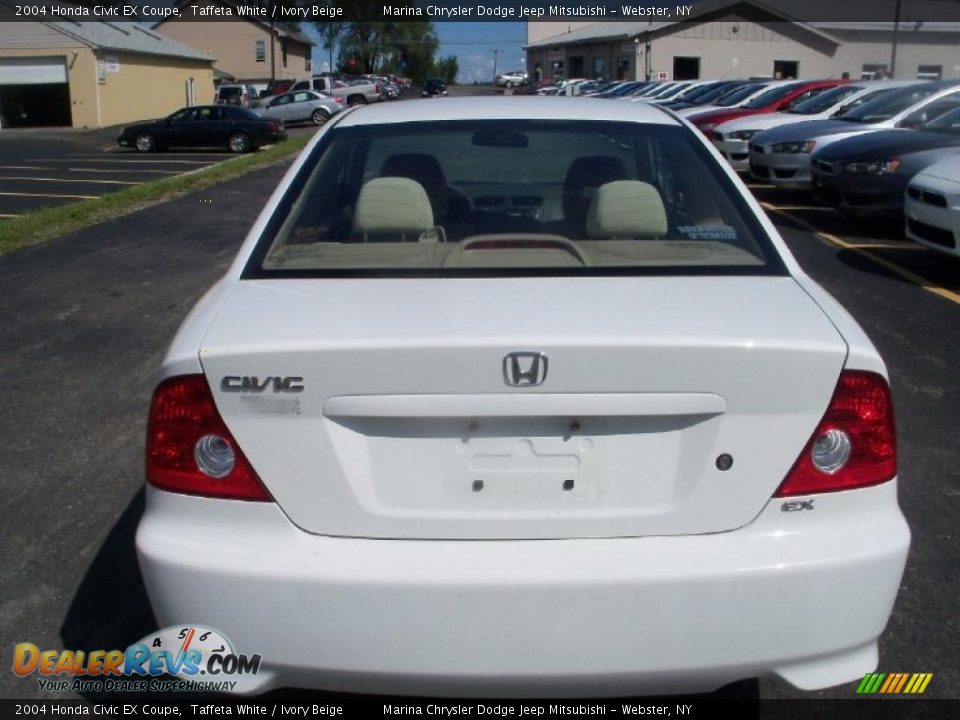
300, 106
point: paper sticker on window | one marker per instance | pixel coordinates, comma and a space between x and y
708, 232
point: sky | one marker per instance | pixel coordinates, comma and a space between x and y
473, 43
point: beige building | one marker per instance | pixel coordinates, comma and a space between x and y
739, 38
245, 50
95, 74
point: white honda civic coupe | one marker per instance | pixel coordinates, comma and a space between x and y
522, 397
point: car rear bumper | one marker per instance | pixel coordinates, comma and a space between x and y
803, 595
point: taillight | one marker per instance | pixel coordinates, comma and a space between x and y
854, 445
189, 448
376, 88
274, 126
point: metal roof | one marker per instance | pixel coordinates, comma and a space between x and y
126, 36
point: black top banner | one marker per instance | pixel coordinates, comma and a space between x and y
910, 14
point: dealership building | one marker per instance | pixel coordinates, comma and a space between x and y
740, 38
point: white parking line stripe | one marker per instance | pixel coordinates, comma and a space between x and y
7, 215
74, 180
109, 160
22, 167
48, 195
110, 170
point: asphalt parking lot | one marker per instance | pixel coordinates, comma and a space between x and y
87, 317
52, 166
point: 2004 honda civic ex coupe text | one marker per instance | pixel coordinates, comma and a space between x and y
523, 398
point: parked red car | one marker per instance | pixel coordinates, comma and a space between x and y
779, 97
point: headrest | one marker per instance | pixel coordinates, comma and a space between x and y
585, 175
626, 208
392, 205
426, 170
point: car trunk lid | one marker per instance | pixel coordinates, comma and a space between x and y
381, 407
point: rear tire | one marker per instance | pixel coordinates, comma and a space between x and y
319, 116
239, 143
145, 142
355, 100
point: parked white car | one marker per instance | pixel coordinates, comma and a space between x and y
781, 155
732, 138
300, 106
495, 404
932, 206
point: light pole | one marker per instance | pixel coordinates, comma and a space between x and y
893, 52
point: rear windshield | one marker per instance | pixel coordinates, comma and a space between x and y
226, 92
515, 198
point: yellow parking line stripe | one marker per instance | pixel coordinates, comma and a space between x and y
928, 285
74, 180
805, 208
48, 195
926, 681
891, 246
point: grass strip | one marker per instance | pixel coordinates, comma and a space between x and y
38, 226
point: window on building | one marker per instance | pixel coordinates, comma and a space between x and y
873, 72
930, 72
307, 62
557, 70
283, 51
623, 67
261, 51
576, 67
686, 68
786, 69
599, 68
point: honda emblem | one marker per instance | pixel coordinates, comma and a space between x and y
525, 369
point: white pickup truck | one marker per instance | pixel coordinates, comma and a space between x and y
360, 94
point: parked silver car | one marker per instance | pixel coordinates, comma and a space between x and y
300, 106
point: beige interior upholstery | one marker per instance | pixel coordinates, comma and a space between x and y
392, 205
626, 208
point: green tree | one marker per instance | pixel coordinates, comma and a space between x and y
406, 48
447, 68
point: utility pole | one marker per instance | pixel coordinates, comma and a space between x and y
273, 67
648, 66
496, 62
893, 53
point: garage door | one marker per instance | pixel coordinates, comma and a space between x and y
34, 92
33, 71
